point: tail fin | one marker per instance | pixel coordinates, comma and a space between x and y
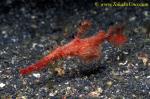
35, 67
116, 36
42, 63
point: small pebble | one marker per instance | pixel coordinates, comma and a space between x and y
33, 17
51, 94
132, 18
145, 13
148, 77
59, 71
37, 75
124, 52
34, 26
96, 93
134, 95
33, 45
109, 83
3, 32
136, 77
144, 57
67, 83
149, 64
2, 85
54, 93
127, 71
86, 88
21, 97
123, 63
68, 88
42, 22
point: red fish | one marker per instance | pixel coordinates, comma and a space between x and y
87, 49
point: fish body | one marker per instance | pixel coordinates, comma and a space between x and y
86, 49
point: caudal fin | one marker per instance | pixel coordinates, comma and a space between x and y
116, 36
35, 67
42, 63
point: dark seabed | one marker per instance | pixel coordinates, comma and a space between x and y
29, 30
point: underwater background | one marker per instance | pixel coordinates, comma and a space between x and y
30, 29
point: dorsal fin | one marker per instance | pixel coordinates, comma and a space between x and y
83, 27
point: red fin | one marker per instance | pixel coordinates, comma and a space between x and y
117, 39
84, 26
116, 36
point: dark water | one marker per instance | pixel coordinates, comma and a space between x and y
29, 30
